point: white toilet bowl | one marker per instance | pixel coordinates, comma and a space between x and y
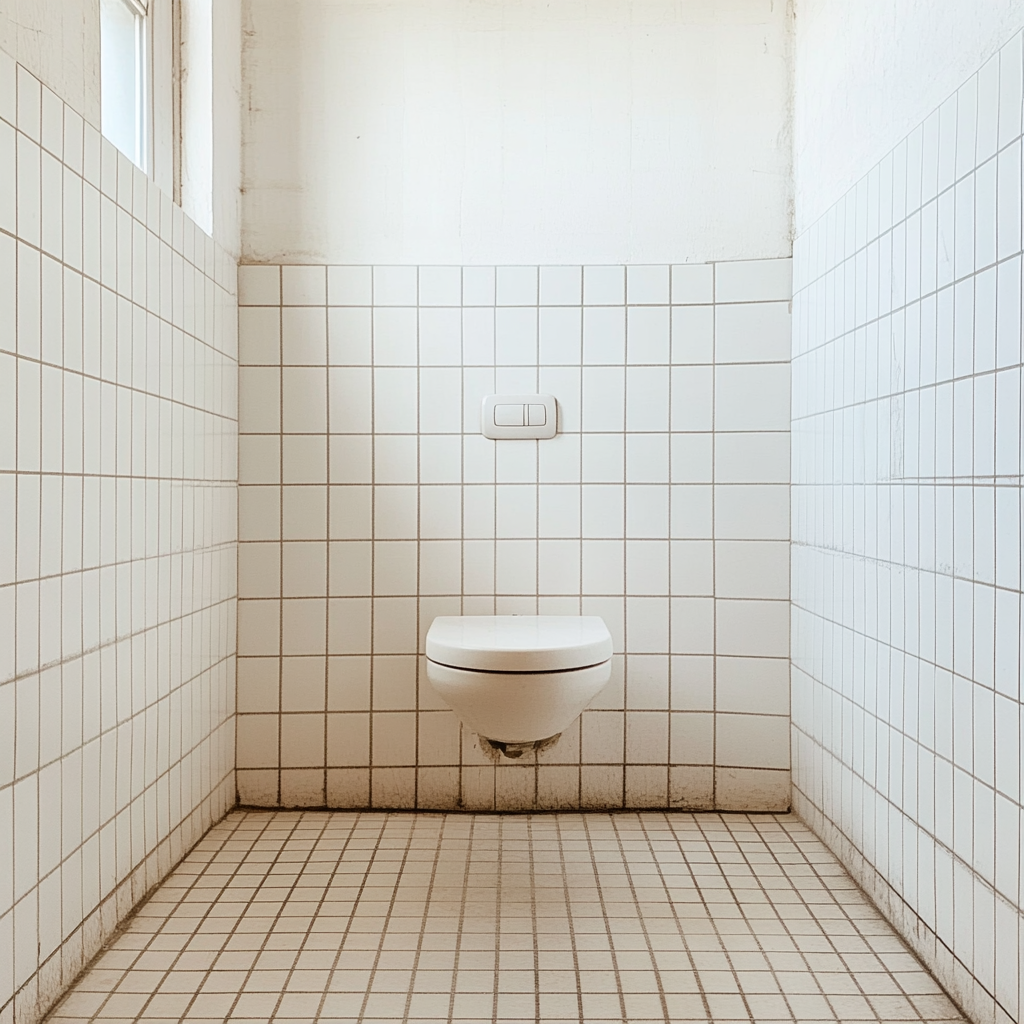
518, 679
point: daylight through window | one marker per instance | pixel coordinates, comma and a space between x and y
123, 76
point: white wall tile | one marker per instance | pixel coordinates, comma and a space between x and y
304, 399
259, 336
454, 522
693, 398
758, 686
303, 459
693, 334
753, 332
691, 512
753, 511
647, 399
8, 178
478, 285
394, 336
647, 334
604, 286
303, 335
259, 286
8, 89
752, 457
647, 457
693, 284
440, 336
517, 286
875, 413
749, 568
647, 285
751, 397
752, 741
395, 399
304, 286
515, 335
440, 286
561, 286
753, 281
350, 336
560, 333
394, 286
692, 458
138, 383
349, 286
604, 335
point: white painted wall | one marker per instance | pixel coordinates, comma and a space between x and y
452, 131
867, 73
227, 128
210, 116
59, 42
196, 90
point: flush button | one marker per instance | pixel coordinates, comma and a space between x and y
526, 417
508, 415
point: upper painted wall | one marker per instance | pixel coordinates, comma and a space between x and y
59, 42
867, 73
523, 131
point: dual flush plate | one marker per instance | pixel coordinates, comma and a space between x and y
522, 417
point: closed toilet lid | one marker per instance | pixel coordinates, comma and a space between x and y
519, 643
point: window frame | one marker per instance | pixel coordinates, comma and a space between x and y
143, 58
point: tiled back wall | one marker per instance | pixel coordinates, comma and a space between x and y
369, 503
907, 536
117, 539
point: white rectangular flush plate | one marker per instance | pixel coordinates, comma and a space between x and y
511, 417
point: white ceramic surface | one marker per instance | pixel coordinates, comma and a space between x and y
518, 643
518, 707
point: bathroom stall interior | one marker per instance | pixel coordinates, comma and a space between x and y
511, 511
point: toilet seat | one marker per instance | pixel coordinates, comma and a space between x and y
518, 643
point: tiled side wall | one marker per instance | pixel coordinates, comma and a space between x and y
907, 536
117, 539
369, 503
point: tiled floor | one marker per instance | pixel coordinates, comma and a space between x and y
562, 917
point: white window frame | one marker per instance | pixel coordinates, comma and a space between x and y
143, 155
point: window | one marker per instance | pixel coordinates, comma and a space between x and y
123, 77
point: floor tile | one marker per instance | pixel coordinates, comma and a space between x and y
622, 918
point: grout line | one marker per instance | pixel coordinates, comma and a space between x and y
643, 926
462, 915
714, 551
370, 644
280, 545
327, 549
424, 918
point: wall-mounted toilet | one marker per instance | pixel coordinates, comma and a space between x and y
518, 679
